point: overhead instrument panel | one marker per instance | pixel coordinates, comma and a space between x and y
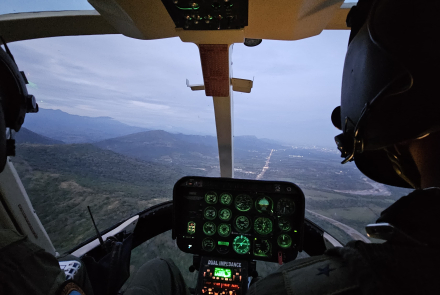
233, 218
208, 14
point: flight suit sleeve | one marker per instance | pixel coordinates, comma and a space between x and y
326, 274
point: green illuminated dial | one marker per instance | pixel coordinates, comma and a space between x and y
191, 227
263, 225
242, 223
211, 198
263, 204
241, 245
225, 214
284, 241
226, 199
224, 229
243, 202
209, 228
284, 224
262, 248
208, 244
210, 213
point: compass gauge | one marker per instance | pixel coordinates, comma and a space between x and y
243, 203
210, 213
241, 245
211, 198
209, 228
242, 223
224, 229
226, 199
263, 225
208, 244
225, 214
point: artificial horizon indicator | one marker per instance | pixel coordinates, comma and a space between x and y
263, 204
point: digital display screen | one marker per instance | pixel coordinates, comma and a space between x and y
222, 272
221, 243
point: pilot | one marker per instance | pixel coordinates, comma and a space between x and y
390, 118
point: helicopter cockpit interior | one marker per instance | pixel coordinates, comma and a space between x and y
228, 225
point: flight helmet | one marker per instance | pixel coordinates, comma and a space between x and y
390, 86
15, 102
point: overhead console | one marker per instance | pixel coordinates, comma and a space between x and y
238, 219
208, 14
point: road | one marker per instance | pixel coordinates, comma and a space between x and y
266, 166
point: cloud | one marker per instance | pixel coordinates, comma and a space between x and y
296, 87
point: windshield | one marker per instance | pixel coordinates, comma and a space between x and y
19, 6
118, 127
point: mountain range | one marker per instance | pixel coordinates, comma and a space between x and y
69, 128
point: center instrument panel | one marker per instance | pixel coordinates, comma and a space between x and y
235, 218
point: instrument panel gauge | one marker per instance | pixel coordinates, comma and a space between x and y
263, 225
208, 244
284, 224
224, 214
224, 229
242, 223
210, 213
241, 245
209, 228
243, 203
284, 241
211, 198
262, 248
226, 199
285, 206
263, 204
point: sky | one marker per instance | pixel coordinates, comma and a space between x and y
142, 83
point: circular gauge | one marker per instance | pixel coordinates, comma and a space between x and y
210, 213
211, 198
208, 244
209, 228
242, 223
263, 204
224, 229
263, 225
284, 224
284, 241
226, 199
224, 214
262, 248
285, 206
241, 245
243, 202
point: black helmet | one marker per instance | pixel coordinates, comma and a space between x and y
389, 86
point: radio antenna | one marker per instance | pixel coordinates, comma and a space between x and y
101, 241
